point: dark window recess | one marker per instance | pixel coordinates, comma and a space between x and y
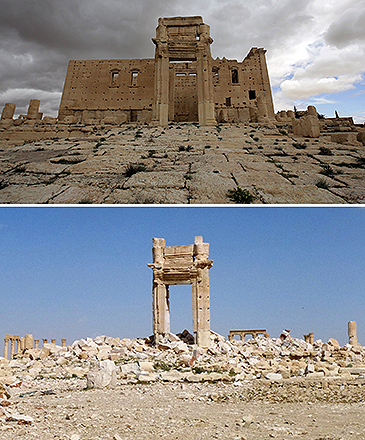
234, 76
252, 94
228, 102
134, 114
215, 72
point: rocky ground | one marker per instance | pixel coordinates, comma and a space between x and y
183, 164
108, 388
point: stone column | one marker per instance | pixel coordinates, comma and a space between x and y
8, 111
311, 338
161, 307
63, 340
12, 348
202, 295
36, 343
162, 63
172, 76
45, 341
53, 341
33, 109
352, 330
22, 343
6, 347
204, 80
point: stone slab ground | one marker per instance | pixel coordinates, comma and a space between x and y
182, 164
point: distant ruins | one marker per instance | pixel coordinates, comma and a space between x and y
187, 264
24, 343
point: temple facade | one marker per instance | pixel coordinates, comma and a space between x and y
183, 83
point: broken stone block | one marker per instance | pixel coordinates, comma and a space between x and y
49, 120
334, 343
130, 368
361, 137
349, 138
105, 375
275, 377
20, 418
147, 377
146, 367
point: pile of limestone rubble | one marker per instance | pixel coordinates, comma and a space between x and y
106, 361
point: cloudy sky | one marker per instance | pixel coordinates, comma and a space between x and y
316, 49
77, 272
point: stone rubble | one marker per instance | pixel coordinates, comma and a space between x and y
104, 361
40, 393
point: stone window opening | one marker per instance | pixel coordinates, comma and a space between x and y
215, 72
114, 78
252, 94
234, 73
134, 78
228, 102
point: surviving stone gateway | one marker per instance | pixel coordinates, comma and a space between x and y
187, 264
183, 83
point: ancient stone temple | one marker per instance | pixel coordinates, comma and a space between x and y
183, 83
187, 264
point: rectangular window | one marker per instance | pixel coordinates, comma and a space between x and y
134, 80
234, 76
252, 94
228, 102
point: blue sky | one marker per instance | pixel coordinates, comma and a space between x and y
75, 272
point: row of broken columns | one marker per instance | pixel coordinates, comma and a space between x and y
24, 343
33, 111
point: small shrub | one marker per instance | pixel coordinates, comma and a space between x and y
151, 153
189, 148
161, 365
181, 148
241, 196
322, 184
133, 168
256, 139
327, 170
299, 146
283, 132
325, 151
198, 370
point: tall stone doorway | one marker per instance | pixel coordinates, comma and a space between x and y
183, 39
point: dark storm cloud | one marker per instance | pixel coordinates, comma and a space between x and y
348, 29
39, 37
